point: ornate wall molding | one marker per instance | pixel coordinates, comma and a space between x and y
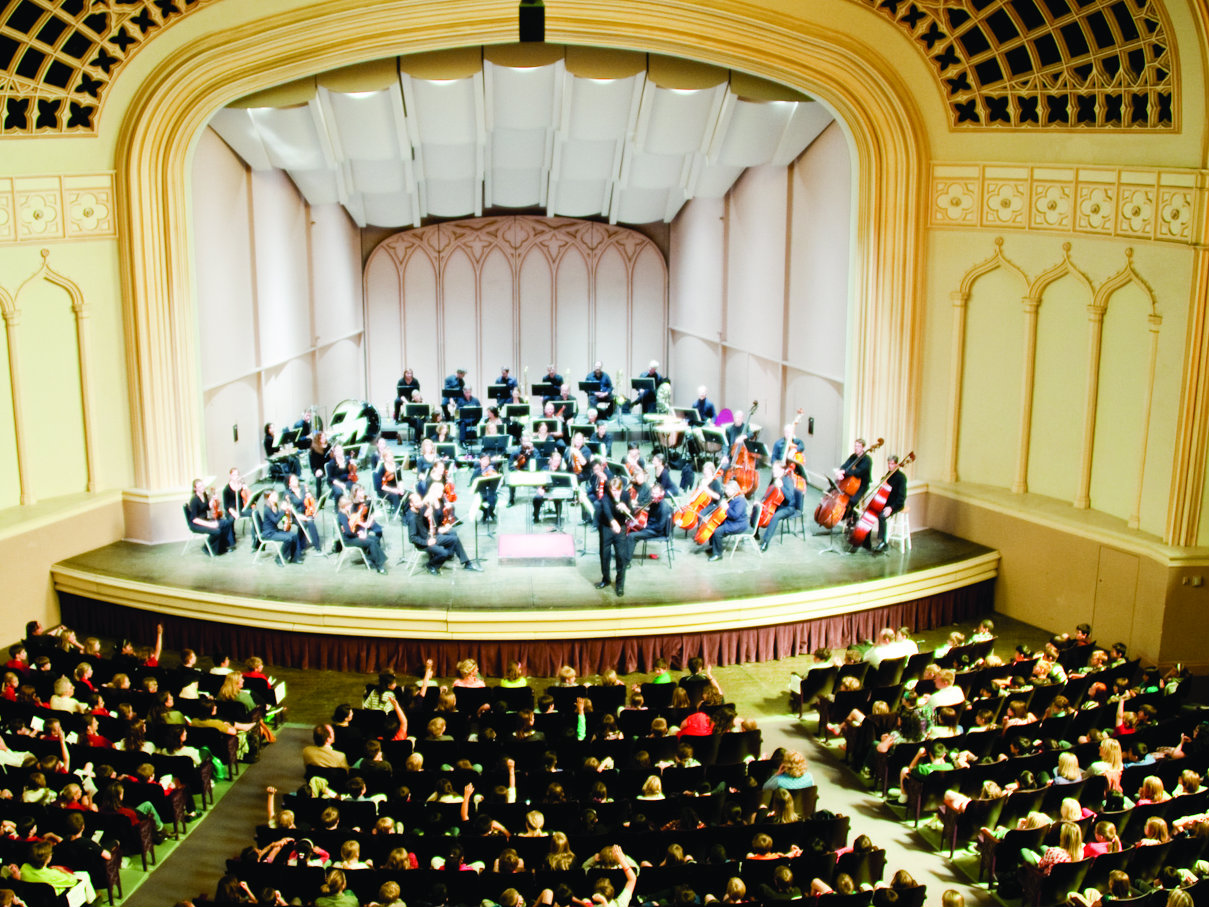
1055, 64
1101, 296
58, 57
44, 208
1129, 203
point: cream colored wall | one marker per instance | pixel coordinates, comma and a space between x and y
990, 433
760, 296
279, 304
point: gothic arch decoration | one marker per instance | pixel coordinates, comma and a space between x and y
81, 312
961, 299
539, 245
1057, 64
1100, 298
58, 57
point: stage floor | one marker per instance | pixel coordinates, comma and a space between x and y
795, 580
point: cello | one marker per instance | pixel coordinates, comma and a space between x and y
743, 461
877, 503
835, 502
772, 500
686, 517
794, 462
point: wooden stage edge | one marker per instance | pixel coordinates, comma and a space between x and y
533, 624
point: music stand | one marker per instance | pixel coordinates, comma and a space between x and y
417, 410
289, 437
545, 448
561, 489
448, 393
516, 411
643, 384
597, 447
759, 448
689, 414
476, 495
498, 392
546, 390
447, 450
495, 443
430, 428
590, 387
551, 425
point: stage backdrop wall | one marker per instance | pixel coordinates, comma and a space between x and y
278, 302
512, 291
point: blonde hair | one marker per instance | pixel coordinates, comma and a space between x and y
1068, 767
652, 787
1070, 839
1110, 752
794, 764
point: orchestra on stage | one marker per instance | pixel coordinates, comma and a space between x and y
701, 474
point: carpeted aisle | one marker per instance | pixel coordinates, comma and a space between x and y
197, 863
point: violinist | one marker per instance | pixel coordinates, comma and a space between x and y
386, 481
236, 496
736, 519
859, 465
704, 406
338, 469
524, 457
317, 460
436, 536
365, 513
578, 456
658, 522
273, 523
436, 475
611, 514
789, 505
633, 458
488, 495
406, 390
427, 458
555, 464
564, 405
492, 423
298, 505
601, 399
353, 534
897, 481
220, 528
601, 434
379, 451
661, 475
558, 432
641, 489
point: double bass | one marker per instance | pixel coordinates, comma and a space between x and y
835, 502
743, 462
794, 462
876, 504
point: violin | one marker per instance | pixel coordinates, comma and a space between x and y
638, 517
245, 495
743, 462
578, 460
877, 503
215, 508
794, 461
835, 502
358, 518
309, 505
287, 519
451, 494
352, 471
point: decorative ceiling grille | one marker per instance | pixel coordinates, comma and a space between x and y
57, 57
1067, 64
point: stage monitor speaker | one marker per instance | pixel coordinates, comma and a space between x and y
531, 20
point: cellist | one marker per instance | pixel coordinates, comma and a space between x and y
788, 506
736, 519
859, 466
897, 481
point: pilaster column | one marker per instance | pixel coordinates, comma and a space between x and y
1135, 515
82, 342
960, 301
1031, 305
1095, 315
11, 321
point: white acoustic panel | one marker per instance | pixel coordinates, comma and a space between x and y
291, 137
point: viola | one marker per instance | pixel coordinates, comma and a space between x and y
358, 519
309, 505
638, 517
215, 508
578, 460
287, 519
834, 505
352, 472
743, 462
877, 503
686, 517
772, 500
451, 494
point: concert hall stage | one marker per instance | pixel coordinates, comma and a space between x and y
745, 608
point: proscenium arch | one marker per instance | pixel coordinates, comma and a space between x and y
174, 103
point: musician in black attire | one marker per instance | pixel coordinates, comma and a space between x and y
790, 506
317, 460
661, 475
221, 530
611, 515
403, 391
524, 457
272, 518
287, 462
860, 465
551, 377
603, 398
554, 464
704, 406
488, 494
604, 438
441, 542
646, 399
232, 496
658, 522
456, 381
359, 538
337, 471
464, 425
508, 381
894, 503
386, 481
310, 526
782, 444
